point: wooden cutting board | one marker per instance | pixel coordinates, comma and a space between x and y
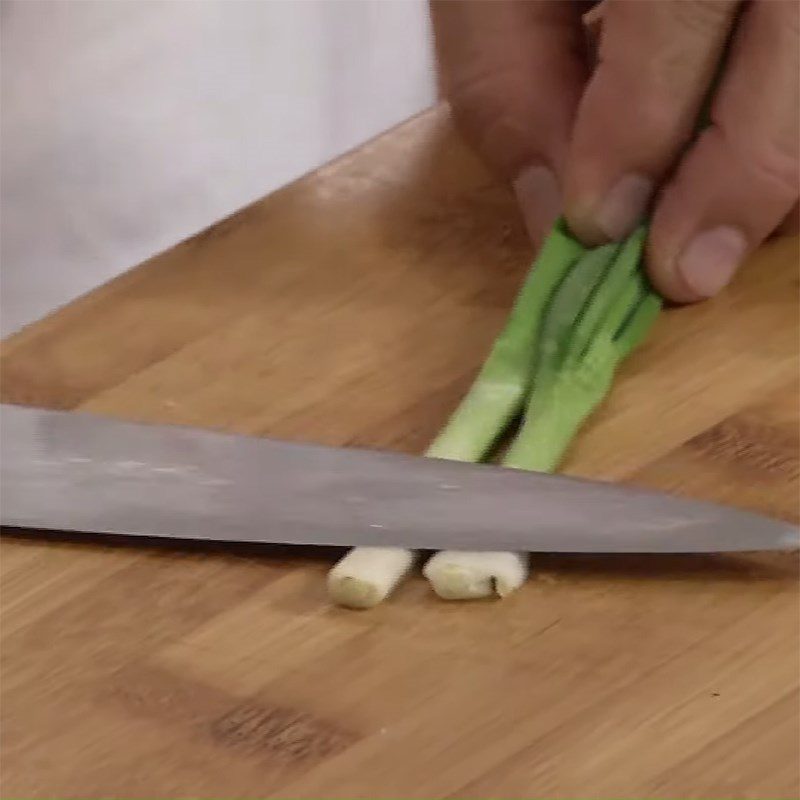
353, 308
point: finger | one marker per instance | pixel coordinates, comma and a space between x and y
656, 62
740, 180
513, 73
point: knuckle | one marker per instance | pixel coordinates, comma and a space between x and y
780, 168
492, 110
768, 160
702, 16
476, 100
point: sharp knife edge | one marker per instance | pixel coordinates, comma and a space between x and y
78, 472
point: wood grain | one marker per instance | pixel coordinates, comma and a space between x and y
354, 307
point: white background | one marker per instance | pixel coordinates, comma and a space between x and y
128, 125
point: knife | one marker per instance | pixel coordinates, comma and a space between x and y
77, 472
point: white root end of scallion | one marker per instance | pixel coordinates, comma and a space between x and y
367, 575
461, 575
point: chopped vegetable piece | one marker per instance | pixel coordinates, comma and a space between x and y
463, 575
367, 575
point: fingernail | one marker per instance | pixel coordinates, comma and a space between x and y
539, 198
624, 206
711, 258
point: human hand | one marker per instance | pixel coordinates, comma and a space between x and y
616, 140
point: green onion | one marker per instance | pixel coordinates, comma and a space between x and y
577, 316
501, 388
599, 313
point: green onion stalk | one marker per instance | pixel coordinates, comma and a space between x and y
579, 313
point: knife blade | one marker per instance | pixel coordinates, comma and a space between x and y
77, 472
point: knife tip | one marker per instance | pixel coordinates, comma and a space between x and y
790, 540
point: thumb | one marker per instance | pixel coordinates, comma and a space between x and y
513, 73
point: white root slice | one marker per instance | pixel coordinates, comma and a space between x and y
367, 575
461, 575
